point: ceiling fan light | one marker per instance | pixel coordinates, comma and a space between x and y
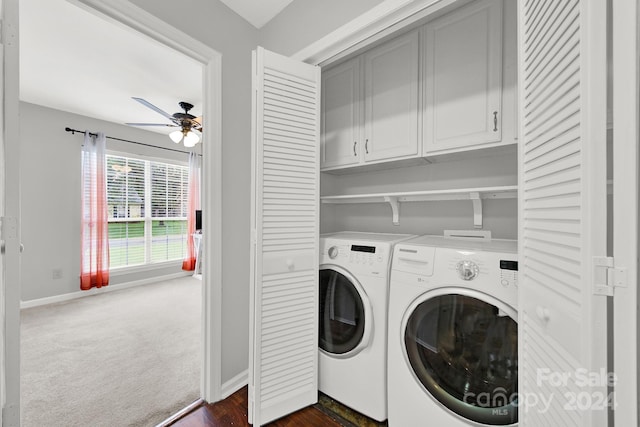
191, 139
176, 136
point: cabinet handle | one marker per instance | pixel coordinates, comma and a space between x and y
355, 144
495, 121
366, 146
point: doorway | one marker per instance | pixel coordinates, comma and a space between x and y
125, 14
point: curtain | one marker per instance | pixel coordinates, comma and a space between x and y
94, 257
193, 203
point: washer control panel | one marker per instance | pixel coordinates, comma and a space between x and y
508, 273
467, 270
480, 268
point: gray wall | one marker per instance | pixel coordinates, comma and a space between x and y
214, 24
499, 216
50, 179
306, 21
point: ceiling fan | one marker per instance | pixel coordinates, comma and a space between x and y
188, 123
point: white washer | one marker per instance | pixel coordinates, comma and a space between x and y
354, 284
453, 343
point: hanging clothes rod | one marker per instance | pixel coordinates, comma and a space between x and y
73, 132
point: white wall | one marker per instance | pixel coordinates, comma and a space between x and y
214, 24
499, 216
50, 179
306, 21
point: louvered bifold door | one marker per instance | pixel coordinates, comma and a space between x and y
562, 224
284, 289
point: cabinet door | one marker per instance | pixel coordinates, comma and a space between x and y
341, 115
391, 99
463, 68
283, 356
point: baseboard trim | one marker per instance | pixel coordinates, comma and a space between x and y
182, 413
94, 291
234, 384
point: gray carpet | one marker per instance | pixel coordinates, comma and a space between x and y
123, 358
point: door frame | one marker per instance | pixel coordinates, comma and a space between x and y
626, 136
10, 211
126, 13
391, 15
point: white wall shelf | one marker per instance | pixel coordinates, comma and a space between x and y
475, 195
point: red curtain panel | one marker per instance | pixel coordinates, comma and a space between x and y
189, 262
94, 257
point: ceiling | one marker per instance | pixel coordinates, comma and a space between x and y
257, 12
74, 61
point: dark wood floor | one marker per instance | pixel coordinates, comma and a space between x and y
233, 412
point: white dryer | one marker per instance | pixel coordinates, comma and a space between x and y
453, 335
354, 283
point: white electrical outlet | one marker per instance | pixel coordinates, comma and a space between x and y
56, 273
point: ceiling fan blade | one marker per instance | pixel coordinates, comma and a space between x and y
151, 124
198, 123
154, 108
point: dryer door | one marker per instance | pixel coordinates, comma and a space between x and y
463, 348
345, 313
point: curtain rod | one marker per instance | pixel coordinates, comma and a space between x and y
73, 131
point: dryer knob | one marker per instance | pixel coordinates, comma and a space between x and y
333, 252
467, 270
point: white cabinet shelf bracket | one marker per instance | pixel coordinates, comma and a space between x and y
395, 208
395, 199
477, 209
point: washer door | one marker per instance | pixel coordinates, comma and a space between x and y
344, 313
464, 351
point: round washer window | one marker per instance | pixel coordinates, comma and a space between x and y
342, 318
464, 351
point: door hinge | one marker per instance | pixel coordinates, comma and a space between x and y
607, 276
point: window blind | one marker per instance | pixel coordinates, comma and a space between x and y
169, 190
147, 208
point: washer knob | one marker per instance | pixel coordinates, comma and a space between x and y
467, 270
333, 252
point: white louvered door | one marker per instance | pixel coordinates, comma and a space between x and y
562, 324
284, 278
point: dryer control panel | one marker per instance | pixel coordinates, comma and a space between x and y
365, 258
355, 254
362, 254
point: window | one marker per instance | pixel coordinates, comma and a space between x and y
147, 203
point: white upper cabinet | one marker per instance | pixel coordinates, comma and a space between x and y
341, 115
370, 106
391, 99
446, 87
463, 78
